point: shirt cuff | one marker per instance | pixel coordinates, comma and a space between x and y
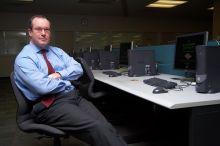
63, 73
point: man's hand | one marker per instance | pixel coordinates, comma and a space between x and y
55, 75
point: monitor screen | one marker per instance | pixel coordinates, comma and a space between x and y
123, 58
185, 51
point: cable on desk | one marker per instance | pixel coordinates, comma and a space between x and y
124, 73
183, 85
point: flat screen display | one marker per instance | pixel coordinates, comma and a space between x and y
123, 58
185, 50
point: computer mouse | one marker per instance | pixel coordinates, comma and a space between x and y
159, 90
112, 75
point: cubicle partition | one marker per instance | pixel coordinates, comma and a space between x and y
164, 55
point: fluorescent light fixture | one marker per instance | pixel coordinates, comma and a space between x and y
154, 5
211, 8
116, 36
166, 3
170, 2
25, 0
22, 33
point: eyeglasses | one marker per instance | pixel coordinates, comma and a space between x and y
39, 29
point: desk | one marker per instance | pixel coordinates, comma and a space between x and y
172, 100
204, 117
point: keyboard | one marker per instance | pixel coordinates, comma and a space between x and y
157, 82
111, 73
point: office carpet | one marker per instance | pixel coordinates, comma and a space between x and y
10, 135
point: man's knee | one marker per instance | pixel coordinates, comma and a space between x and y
100, 127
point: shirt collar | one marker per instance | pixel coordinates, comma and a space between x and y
36, 48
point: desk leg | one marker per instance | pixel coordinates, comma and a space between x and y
205, 126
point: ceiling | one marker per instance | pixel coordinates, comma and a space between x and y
125, 8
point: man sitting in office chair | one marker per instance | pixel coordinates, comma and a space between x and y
43, 74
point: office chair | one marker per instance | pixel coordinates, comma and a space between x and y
86, 82
85, 86
24, 107
26, 123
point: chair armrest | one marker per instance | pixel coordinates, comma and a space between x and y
75, 83
31, 127
96, 94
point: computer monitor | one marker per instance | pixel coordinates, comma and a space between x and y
185, 51
141, 60
123, 57
91, 58
108, 60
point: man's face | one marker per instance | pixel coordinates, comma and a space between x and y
40, 32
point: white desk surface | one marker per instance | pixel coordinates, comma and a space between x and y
172, 100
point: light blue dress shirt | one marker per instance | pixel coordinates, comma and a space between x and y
31, 72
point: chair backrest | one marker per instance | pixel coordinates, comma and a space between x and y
24, 107
86, 82
24, 119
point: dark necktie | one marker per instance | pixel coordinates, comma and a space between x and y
47, 100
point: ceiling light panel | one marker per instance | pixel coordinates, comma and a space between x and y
211, 8
154, 5
171, 2
25, 0
166, 3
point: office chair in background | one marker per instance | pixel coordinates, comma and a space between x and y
86, 82
85, 87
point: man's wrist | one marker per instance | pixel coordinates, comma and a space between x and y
59, 74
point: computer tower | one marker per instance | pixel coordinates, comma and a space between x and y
141, 63
92, 59
208, 69
108, 60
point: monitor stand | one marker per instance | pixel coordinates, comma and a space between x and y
189, 76
123, 65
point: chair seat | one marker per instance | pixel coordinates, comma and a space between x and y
25, 121
31, 126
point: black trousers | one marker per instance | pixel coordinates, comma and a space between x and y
80, 118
